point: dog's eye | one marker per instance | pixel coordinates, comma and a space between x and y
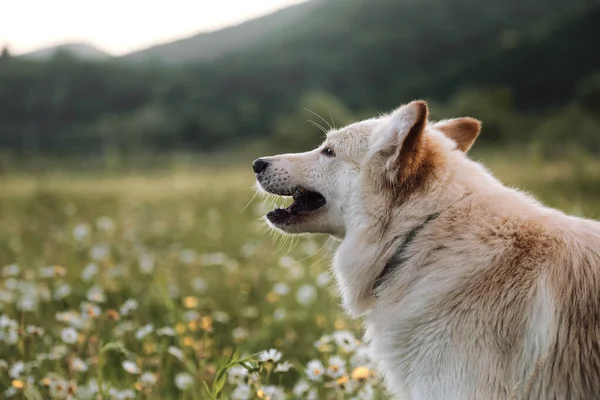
328, 151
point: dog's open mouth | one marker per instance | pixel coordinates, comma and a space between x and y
305, 202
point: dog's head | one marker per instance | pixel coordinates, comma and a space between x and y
367, 165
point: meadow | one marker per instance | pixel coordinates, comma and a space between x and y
168, 285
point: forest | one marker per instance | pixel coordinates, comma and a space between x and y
529, 70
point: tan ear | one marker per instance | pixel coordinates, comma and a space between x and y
400, 140
463, 131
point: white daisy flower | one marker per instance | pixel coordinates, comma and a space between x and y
323, 279
148, 378
146, 265
323, 342
281, 288
315, 370
131, 367
237, 374
78, 365
306, 295
16, 369
34, 330
100, 251
221, 316
336, 367
60, 388
242, 392
199, 285
300, 388
176, 352
345, 340
366, 393
286, 262
144, 331
271, 355
62, 291
309, 247
279, 314
6, 322
105, 223
248, 250
96, 294
47, 272
89, 272
188, 256
283, 367
69, 335
129, 306
10, 336
166, 331
273, 392
90, 310
184, 381
81, 231
361, 357
239, 334
11, 270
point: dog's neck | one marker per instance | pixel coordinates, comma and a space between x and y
396, 260
361, 260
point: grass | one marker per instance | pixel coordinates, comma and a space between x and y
169, 286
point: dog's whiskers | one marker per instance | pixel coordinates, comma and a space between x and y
325, 256
318, 116
318, 125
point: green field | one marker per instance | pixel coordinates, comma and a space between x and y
145, 285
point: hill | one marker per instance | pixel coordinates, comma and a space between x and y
212, 45
353, 56
81, 51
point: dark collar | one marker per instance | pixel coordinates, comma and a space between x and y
398, 256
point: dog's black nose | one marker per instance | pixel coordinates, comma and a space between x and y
260, 165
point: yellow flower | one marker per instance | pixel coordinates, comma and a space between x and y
149, 347
18, 384
360, 373
339, 324
343, 380
206, 323
272, 297
260, 394
190, 302
193, 325
320, 320
188, 341
59, 270
138, 386
180, 328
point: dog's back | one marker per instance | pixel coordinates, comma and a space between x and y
497, 298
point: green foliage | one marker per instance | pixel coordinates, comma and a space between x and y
356, 55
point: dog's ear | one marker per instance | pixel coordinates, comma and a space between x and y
463, 131
401, 139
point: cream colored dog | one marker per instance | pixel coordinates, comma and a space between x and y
469, 289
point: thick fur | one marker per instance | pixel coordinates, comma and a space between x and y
496, 298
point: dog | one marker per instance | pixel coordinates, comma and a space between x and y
468, 289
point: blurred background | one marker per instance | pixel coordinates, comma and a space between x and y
133, 257
529, 70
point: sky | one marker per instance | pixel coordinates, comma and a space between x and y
119, 26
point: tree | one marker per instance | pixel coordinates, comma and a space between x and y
5, 55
